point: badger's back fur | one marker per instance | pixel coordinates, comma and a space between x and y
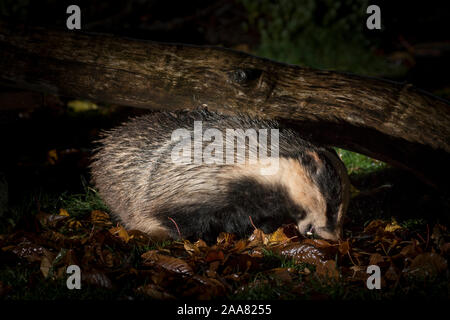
138, 180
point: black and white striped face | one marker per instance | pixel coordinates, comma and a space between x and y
327, 202
312, 189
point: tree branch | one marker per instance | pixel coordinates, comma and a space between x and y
393, 122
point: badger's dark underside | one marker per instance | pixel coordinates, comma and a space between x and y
247, 201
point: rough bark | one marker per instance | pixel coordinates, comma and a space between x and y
393, 122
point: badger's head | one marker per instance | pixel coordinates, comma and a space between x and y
312, 189
317, 190
322, 191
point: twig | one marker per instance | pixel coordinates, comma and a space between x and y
178, 229
251, 221
421, 238
350, 256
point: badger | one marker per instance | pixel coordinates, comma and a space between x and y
165, 174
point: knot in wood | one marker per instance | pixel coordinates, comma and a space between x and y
243, 76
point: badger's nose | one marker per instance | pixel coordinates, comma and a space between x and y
309, 230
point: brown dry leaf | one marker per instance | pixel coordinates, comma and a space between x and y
29, 251
63, 212
108, 258
100, 217
75, 224
391, 227
257, 252
139, 237
239, 246
69, 257
438, 233
391, 273
258, 237
359, 273
427, 265
318, 243
301, 252
214, 255
52, 156
176, 265
191, 248
225, 239
344, 247
46, 265
97, 278
212, 271
328, 270
121, 233
204, 288
241, 263
200, 244
410, 251
50, 219
278, 236
375, 259
374, 226
283, 274
445, 249
155, 292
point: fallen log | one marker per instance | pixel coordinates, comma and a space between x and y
394, 122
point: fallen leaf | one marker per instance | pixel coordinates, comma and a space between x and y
175, 265
392, 226
427, 265
239, 246
318, 243
225, 239
328, 270
282, 274
100, 217
191, 248
46, 265
374, 226
200, 244
121, 233
257, 238
214, 255
97, 278
155, 292
303, 253
344, 247
30, 251
278, 236
50, 220
52, 156
376, 259
204, 288
63, 212
391, 273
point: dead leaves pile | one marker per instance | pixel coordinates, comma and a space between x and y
110, 256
